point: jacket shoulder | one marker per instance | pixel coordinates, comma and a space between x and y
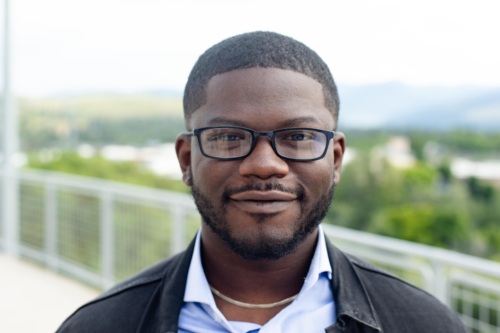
399, 304
122, 308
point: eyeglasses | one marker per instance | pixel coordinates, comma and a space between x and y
232, 142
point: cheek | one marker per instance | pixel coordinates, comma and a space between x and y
317, 177
203, 174
325, 179
209, 174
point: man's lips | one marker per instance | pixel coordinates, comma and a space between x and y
263, 202
263, 196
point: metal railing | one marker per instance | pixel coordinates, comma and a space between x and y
468, 285
100, 232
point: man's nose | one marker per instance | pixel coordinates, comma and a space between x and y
263, 161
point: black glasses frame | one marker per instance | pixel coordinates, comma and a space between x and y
270, 134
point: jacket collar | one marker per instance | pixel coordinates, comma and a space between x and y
171, 295
354, 307
351, 298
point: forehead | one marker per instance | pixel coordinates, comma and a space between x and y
263, 98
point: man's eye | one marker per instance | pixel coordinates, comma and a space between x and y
230, 137
298, 136
226, 137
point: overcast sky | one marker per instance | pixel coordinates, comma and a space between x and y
132, 45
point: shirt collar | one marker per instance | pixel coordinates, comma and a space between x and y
198, 289
320, 263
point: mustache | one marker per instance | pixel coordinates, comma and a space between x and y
264, 186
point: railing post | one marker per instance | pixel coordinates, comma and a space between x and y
9, 205
107, 240
51, 230
441, 282
179, 228
9, 209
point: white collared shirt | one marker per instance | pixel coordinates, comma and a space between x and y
312, 311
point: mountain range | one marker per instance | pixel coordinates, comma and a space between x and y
396, 105
387, 105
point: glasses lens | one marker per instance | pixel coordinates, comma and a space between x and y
226, 142
300, 144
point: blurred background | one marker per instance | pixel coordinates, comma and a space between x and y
96, 89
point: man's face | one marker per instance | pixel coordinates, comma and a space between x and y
262, 206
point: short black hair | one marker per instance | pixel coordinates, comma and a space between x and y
257, 49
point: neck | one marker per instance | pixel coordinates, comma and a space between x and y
255, 281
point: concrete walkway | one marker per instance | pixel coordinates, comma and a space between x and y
34, 299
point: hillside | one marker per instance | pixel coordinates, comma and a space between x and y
109, 106
392, 105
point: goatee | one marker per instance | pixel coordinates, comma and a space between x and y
269, 248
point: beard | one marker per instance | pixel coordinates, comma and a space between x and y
267, 247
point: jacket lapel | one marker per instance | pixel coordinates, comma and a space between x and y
355, 312
162, 313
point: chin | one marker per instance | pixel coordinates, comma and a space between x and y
266, 242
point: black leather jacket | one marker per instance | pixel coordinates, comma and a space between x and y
367, 300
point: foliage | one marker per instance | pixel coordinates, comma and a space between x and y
479, 191
422, 204
464, 142
128, 172
423, 223
365, 140
139, 131
99, 119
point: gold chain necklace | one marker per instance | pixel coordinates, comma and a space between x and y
250, 305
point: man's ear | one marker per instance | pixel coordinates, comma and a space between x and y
338, 154
183, 150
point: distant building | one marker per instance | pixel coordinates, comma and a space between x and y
160, 159
489, 170
397, 152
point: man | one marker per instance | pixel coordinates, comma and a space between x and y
262, 158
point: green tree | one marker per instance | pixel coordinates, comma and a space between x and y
425, 223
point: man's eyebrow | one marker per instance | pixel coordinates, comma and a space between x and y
225, 121
293, 122
300, 121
